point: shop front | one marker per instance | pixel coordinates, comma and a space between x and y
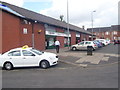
66, 41
49, 42
78, 38
52, 35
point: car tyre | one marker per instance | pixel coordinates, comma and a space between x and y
74, 48
103, 45
8, 66
44, 64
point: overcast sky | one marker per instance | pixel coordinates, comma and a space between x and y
79, 10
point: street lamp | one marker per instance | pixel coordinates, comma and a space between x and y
68, 23
92, 22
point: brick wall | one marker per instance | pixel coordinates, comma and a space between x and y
39, 37
60, 38
13, 35
73, 37
0, 31
25, 38
10, 31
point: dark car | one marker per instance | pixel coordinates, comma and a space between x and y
116, 41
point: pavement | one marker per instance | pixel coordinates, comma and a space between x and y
81, 59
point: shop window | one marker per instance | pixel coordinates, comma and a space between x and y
94, 33
115, 32
102, 33
107, 33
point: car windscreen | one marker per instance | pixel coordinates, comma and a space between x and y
37, 51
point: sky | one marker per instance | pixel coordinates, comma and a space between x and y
80, 11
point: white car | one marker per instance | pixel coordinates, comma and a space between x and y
103, 41
108, 41
83, 45
27, 57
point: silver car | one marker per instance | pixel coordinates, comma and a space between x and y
83, 45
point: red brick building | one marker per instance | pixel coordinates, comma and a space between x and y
111, 33
20, 27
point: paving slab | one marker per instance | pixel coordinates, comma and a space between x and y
105, 58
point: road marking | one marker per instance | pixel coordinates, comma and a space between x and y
95, 59
105, 58
84, 58
114, 55
81, 60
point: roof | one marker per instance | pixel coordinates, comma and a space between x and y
42, 18
104, 29
115, 27
3, 7
101, 29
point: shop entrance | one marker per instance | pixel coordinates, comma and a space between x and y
77, 40
66, 41
49, 42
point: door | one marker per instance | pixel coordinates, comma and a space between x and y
50, 42
15, 58
87, 44
30, 59
81, 45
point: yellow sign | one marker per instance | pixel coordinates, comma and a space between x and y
25, 46
39, 31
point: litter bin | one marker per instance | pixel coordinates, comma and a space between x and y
89, 50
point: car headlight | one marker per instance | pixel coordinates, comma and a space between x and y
53, 57
56, 56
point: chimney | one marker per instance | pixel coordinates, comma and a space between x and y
83, 27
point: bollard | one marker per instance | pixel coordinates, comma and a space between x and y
89, 50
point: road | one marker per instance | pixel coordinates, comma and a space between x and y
67, 75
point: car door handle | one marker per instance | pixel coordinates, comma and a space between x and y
10, 58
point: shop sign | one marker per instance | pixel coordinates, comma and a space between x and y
57, 34
77, 34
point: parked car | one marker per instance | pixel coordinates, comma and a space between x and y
27, 57
117, 42
83, 45
108, 41
99, 44
103, 41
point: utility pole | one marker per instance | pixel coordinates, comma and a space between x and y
92, 22
68, 32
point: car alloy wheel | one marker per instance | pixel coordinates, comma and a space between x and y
44, 64
8, 66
